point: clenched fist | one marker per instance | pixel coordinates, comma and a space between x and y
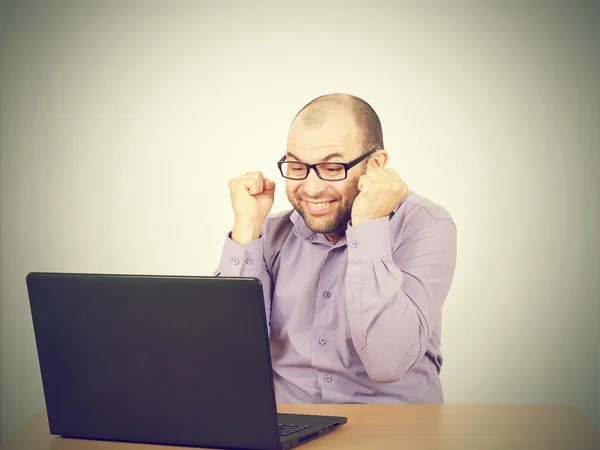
381, 190
252, 197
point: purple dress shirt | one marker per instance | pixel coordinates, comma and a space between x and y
358, 321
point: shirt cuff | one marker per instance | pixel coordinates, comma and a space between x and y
241, 260
369, 240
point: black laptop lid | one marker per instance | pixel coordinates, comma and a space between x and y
175, 360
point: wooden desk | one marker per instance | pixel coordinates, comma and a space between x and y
410, 427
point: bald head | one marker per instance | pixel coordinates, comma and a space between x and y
368, 126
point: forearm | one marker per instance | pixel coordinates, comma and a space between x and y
246, 261
388, 331
244, 232
390, 311
385, 326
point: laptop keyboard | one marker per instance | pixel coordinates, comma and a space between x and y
285, 429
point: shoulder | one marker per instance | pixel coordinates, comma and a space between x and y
275, 232
416, 213
282, 219
419, 206
282, 215
278, 225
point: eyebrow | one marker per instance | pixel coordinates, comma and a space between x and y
327, 158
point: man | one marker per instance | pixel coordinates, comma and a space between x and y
355, 275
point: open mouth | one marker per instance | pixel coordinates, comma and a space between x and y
319, 207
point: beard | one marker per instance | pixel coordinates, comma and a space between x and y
335, 220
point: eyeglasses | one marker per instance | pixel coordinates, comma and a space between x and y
328, 171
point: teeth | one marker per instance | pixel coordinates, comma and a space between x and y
318, 205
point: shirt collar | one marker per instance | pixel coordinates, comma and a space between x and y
300, 227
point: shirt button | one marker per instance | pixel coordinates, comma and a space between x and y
249, 261
326, 294
353, 244
322, 341
328, 378
235, 261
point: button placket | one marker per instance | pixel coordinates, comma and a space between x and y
323, 354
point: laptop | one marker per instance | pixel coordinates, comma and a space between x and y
172, 360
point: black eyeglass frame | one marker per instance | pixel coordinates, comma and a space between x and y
347, 166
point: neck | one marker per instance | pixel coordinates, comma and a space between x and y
336, 235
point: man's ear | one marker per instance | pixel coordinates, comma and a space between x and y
379, 159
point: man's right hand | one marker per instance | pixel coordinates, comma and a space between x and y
252, 198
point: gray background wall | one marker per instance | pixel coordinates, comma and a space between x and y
122, 121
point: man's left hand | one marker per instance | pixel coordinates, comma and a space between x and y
381, 189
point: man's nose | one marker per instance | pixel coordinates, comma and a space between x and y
313, 185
